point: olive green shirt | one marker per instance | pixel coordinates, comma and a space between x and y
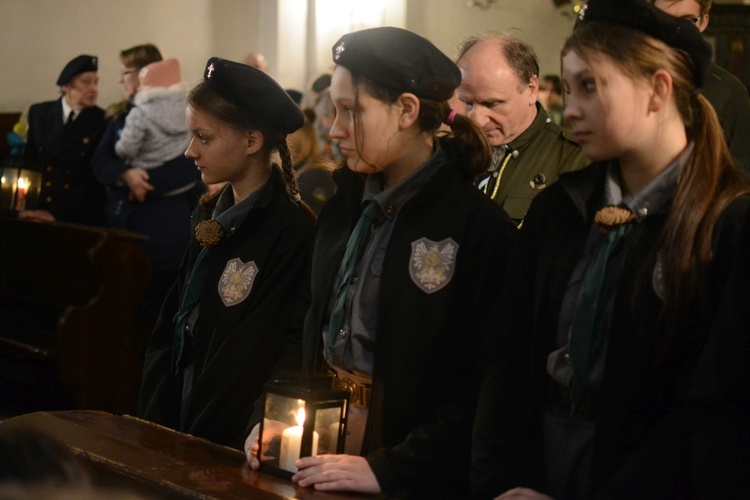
529, 164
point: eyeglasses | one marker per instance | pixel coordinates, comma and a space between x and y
692, 19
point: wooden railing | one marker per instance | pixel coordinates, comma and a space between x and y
126, 453
70, 333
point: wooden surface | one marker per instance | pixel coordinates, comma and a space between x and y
156, 462
71, 336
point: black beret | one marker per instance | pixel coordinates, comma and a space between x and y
80, 64
254, 93
399, 60
643, 16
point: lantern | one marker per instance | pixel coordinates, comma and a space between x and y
303, 415
19, 188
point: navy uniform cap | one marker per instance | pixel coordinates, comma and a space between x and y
255, 93
80, 64
400, 60
643, 16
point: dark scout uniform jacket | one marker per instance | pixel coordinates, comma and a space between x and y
426, 359
237, 347
642, 444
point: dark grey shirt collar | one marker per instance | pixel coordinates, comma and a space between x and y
231, 215
393, 199
655, 196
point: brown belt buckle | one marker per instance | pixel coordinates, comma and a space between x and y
360, 394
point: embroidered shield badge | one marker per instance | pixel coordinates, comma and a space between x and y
237, 281
431, 264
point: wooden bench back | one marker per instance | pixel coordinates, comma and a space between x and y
70, 297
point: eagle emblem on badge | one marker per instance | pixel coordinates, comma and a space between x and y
432, 263
237, 281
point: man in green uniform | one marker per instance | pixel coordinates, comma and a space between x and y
723, 90
499, 88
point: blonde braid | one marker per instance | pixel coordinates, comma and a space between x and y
290, 176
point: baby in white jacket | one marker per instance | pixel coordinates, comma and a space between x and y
156, 129
155, 132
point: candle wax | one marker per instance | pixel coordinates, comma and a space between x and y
291, 440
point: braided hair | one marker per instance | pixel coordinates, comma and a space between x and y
287, 169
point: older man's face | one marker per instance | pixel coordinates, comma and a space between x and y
493, 94
82, 91
684, 9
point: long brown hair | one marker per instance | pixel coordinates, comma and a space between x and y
706, 185
210, 102
466, 144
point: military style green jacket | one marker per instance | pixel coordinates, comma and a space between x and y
730, 99
530, 163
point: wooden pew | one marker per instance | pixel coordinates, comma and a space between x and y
127, 453
70, 333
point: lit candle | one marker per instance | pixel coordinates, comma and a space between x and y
4, 188
23, 185
291, 441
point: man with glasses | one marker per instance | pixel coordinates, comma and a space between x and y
724, 91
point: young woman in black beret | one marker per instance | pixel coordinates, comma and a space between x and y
619, 270
403, 316
235, 315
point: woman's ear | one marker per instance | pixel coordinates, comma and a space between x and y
409, 107
254, 140
661, 90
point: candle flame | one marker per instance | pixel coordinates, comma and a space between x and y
301, 417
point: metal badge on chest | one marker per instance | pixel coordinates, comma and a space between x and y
237, 281
431, 264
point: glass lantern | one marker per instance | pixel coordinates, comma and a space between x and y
8, 184
19, 188
303, 415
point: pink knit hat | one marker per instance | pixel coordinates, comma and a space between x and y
160, 74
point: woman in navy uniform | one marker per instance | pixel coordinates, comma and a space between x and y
242, 293
401, 321
61, 139
619, 271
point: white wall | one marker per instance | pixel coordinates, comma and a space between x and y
537, 22
236, 28
37, 37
